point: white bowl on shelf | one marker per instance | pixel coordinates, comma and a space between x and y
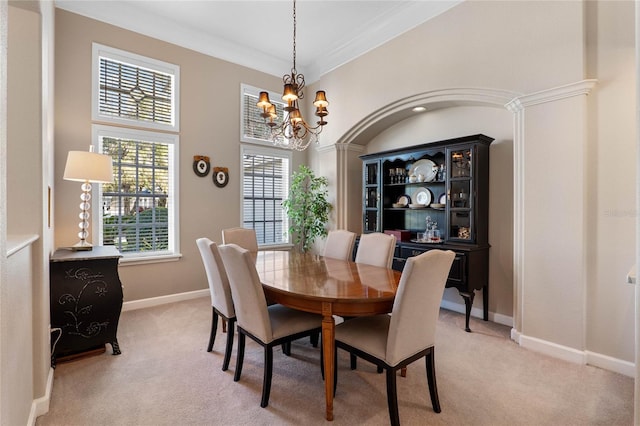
417, 206
438, 206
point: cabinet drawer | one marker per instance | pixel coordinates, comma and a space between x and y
457, 274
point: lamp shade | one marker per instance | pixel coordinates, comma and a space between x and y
83, 166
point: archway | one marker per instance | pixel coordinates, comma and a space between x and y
516, 103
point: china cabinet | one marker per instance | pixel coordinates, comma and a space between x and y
439, 192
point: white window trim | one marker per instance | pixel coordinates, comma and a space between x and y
276, 152
173, 253
245, 88
99, 50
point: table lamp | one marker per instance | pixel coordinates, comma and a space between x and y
87, 167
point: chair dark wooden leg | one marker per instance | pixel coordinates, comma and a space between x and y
214, 328
240, 357
392, 397
314, 339
229, 348
286, 348
266, 381
354, 361
224, 325
431, 379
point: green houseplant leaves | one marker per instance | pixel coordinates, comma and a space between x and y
307, 207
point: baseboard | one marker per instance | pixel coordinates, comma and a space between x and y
161, 300
477, 313
576, 356
553, 349
40, 406
616, 365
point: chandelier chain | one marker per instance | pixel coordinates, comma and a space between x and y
294, 38
293, 132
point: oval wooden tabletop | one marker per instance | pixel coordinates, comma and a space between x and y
351, 288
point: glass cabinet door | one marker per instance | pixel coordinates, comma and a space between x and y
371, 202
460, 194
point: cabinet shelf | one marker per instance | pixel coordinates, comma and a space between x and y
442, 182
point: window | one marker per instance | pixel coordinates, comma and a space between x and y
139, 210
265, 184
252, 127
130, 89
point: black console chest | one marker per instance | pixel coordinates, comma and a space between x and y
448, 182
85, 300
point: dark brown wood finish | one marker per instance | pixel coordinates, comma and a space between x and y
328, 287
85, 300
382, 188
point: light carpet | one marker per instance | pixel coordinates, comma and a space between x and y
165, 377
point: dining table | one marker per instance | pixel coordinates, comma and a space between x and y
328, 287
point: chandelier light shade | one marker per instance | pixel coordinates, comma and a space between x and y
87, 167
293, 132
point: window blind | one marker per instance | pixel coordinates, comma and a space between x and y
265, 186
253, 124
131, 92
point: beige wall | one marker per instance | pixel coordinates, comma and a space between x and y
580, 173
209, 123
24, 237
611, 176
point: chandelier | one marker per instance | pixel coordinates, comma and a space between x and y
294, 132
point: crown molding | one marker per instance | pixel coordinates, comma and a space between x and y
578, 88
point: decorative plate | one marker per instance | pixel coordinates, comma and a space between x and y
404, 200
442, 199
422, 196
424, 167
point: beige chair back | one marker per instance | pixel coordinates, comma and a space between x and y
376, 249
246, 290
339, 244
217, 277
417, 304
243, 237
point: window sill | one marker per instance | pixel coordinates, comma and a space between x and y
158, 258
276, 247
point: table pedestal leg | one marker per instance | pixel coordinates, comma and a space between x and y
328, 348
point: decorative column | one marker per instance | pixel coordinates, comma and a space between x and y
550, 127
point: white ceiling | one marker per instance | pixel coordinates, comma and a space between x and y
259, 33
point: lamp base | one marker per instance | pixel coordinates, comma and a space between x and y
81, 246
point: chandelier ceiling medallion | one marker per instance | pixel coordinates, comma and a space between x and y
294, 132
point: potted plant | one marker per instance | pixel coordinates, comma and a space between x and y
307, 207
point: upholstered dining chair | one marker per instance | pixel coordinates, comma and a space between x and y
243, 237
270, 325
339, 244
376, 249
408, 334
221, 301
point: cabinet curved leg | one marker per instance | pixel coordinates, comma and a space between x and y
468, 302
116, 347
